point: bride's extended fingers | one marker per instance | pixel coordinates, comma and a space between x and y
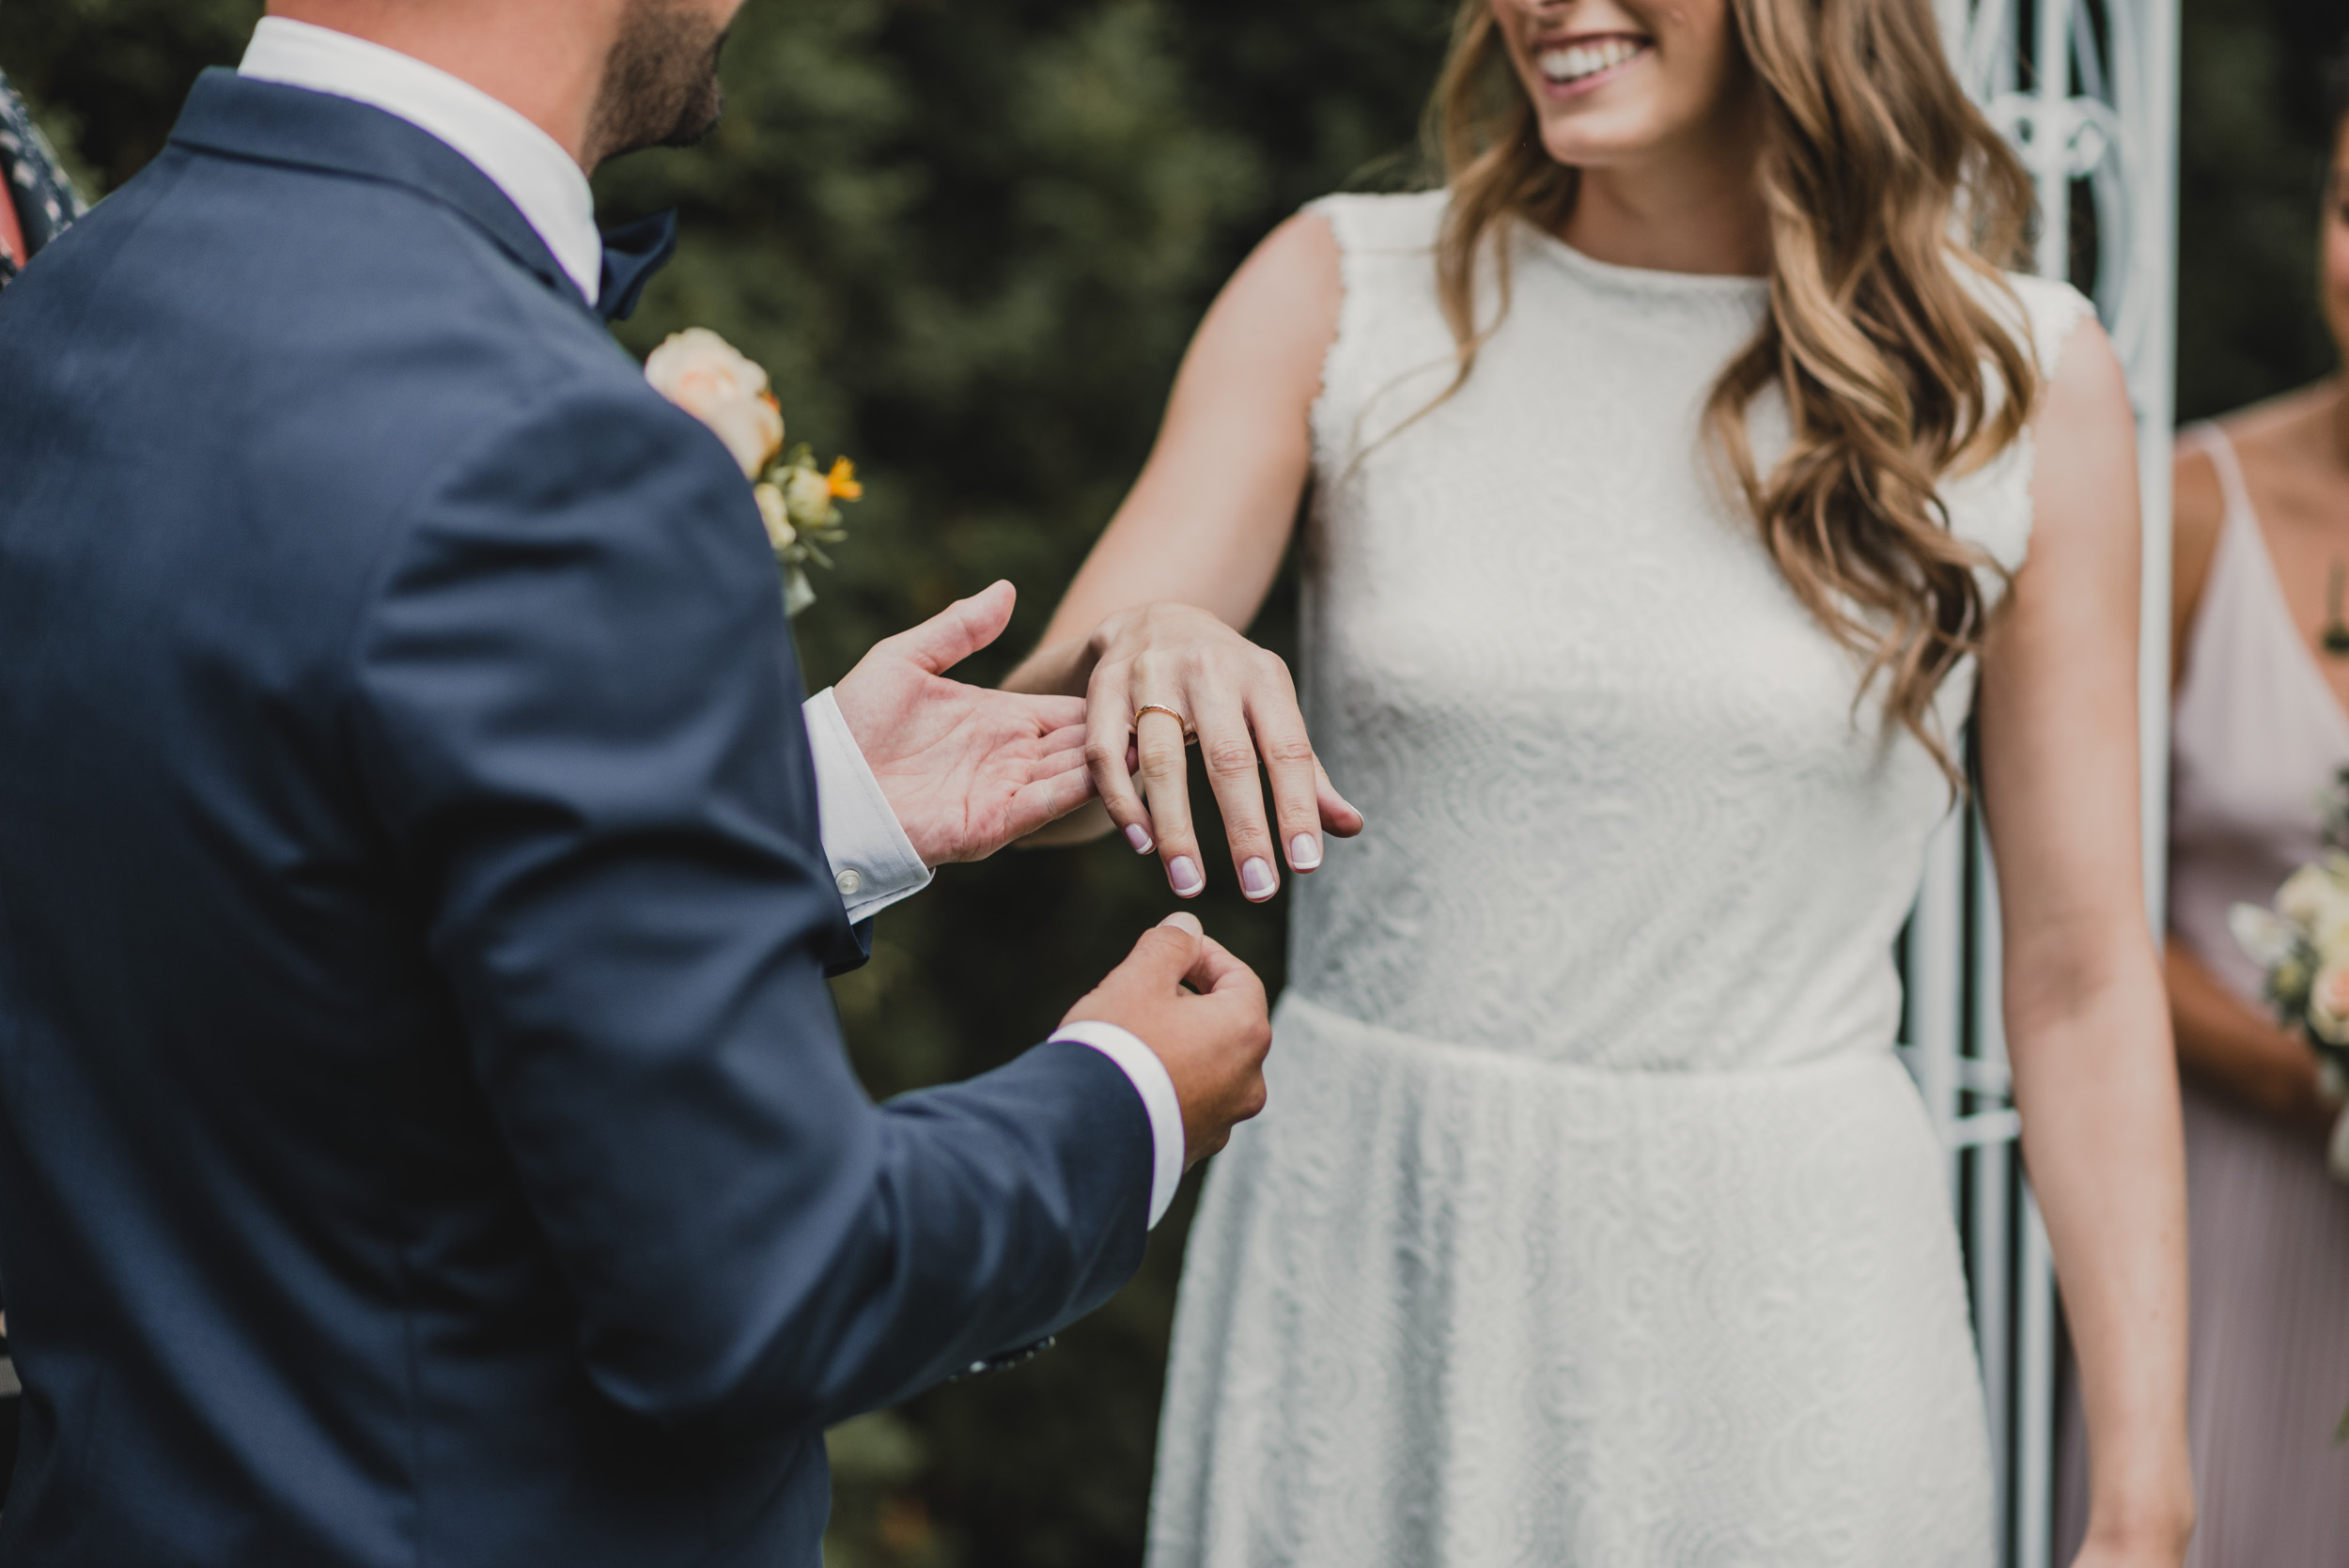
1109, 728
1230, 754
1295, 773
1158, 737
1338, 815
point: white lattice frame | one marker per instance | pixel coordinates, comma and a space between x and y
2087, 91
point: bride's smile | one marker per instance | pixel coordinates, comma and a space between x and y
1585, 64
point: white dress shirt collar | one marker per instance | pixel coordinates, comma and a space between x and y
530, 166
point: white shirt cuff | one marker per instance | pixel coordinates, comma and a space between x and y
1148, 1074
873, 862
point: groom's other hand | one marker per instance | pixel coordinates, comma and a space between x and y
1202, 1013
967, 769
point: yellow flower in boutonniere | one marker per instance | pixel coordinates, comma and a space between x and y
798, 501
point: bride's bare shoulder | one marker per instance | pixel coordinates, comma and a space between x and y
1286, 301
1297, 263
1275, 321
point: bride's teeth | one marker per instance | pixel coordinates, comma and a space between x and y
1577, 61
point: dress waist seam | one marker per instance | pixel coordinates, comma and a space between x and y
1842, 1058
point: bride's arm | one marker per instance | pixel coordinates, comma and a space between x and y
1155, 614
2086, 1027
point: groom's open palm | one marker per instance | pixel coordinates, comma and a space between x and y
967, 769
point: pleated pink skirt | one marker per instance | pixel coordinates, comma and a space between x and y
2270, 1337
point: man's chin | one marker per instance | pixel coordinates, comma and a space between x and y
698, 128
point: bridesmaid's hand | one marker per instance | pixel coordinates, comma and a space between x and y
1241, 708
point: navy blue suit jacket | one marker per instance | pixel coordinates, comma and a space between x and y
425, 1136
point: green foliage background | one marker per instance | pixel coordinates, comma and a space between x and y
970, 240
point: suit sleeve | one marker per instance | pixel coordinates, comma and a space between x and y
578, 716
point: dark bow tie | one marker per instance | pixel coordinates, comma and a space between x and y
631, 254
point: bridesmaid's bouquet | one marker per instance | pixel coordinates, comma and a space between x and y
2303, 945
798, 499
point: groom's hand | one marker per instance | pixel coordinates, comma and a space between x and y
966, 770
1203, 1013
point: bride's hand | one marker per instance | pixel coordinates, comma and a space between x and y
1240, 702
2159, 1529
2156, 1553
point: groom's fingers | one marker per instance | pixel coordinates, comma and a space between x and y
1166, 953
1215, 972
957, 632
1041, 802
1060, 721
1059, 752
1233, 989
1064, 738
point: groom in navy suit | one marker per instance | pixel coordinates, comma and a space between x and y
425, 1136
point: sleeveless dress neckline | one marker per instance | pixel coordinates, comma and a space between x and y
1646, 282
2243, 545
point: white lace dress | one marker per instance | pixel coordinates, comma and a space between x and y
1593, 1220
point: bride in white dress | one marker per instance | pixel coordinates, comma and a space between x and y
1593, 1220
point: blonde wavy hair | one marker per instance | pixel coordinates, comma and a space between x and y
1878, 172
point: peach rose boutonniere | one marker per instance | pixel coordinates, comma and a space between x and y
799, 501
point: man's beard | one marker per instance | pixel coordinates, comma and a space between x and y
661, 86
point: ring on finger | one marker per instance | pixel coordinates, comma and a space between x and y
1191, 736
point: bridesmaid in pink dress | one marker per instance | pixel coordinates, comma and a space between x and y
2261, 727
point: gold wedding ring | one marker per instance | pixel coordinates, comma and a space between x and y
1189, 733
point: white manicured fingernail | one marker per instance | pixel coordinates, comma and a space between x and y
1138, 837
1304, 852
1256, 879
1183, 872
1183, 920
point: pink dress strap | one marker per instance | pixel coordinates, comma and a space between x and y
2256, 736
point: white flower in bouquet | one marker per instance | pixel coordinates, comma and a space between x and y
2328, 1004
2301, 946
2315, 898
2263, 934
715, 382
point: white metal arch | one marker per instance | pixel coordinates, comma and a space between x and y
2086, 92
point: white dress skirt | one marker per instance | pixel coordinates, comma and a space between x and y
1593, 1220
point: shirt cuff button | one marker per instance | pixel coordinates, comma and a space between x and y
849, 882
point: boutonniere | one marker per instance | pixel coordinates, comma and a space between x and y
798, 498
